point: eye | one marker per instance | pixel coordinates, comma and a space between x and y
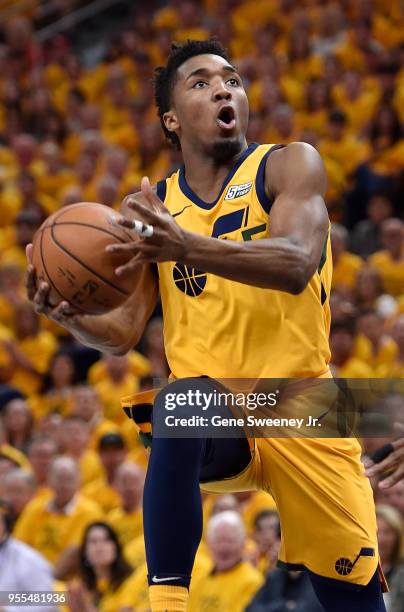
198, 85
234, 82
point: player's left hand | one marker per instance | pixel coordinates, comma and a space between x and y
168, 241
393, 464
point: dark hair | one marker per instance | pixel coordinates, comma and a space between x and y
165, 76
338, 117
120, 569
267, 514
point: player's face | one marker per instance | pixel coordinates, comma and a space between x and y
210, 106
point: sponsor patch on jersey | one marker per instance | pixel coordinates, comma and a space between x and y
236, 191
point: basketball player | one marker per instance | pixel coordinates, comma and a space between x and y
241, 238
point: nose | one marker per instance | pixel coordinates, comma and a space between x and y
221, 93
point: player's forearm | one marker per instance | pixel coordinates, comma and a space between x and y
273, 263
102, 332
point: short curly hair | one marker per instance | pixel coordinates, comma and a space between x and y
165, 76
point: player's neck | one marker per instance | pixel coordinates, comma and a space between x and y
204, 174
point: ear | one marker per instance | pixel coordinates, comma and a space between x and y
171, 121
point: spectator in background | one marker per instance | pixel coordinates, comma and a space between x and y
368, 288
346, 264
22, 567
127, 519
396, 369
267, 535
106, 580
366, 237
87, 405
41, 452
117, 382
232, 582
389, 536
17, 421
390, 261
29, 351
112, 452
58, 386
74, 439
372, 345
19, 489
343, 362
56, 523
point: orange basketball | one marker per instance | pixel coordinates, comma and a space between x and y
69, 254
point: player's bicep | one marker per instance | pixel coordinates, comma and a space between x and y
296, 178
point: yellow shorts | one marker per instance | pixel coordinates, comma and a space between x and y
324, 500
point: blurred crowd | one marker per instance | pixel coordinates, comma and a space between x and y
71, 467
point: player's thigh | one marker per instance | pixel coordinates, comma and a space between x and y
325, 504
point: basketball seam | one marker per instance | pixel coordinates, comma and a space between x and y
104, 280
51, 281
100, 229
60, 213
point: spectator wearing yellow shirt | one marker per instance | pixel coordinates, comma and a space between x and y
17, 422
42, 450
368, 288
74, 440
56, 175
86, 404
106, 581
232, 582
343, 148
318, 104
283, 127
29, 351
390, 261
139, 366
52, 525
117, 382
112, 453
372, 345
357, 101
106, 190
346, 265
396, 369
251, 504
26, 224
23, 195
11, 292
127, 519
58, 387
343, 362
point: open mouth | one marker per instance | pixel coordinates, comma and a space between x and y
226, 118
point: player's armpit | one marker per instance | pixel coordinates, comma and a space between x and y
295, 177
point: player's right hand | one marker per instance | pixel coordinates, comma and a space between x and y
63, 313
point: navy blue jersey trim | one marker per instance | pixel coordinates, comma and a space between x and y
264, 200
187, 191
161, 190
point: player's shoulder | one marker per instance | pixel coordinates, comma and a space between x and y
297, 163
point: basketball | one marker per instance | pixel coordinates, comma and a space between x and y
69, 254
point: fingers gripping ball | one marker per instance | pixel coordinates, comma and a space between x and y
69, 254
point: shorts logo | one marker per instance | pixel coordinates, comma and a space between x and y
236, 191
344, 566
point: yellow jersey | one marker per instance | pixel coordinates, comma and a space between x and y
225, 329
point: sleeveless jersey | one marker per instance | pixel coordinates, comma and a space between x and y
225, 329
